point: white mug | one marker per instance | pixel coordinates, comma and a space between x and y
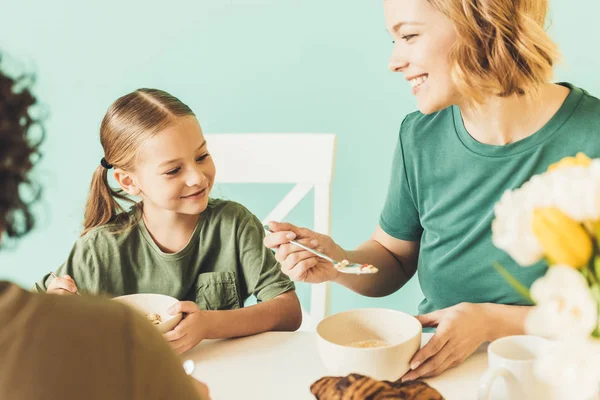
512, 358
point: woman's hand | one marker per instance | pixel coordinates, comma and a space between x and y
191, 330
461, 329
297, 263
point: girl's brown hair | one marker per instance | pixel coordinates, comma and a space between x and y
129, 122
502, 48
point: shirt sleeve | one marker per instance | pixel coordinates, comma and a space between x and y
400, 216
261, 271
157, 373
81, 265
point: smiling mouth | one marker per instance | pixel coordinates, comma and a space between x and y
418, 81
194, 194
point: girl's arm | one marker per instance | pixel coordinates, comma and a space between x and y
282, 313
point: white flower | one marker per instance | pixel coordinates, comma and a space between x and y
512, 229
565, 306
574, 190
573, 367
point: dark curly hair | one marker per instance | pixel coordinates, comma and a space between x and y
18, 154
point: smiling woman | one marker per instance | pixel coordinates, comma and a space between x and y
489, 118
470, 50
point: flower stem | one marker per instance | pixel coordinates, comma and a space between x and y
518, 286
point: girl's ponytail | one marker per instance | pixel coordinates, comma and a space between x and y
102, 207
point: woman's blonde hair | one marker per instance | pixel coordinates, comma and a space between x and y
128, 123
502, 47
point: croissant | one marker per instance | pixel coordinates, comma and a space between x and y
360, 387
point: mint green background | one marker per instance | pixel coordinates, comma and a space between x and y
242, 66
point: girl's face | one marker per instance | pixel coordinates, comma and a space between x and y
173, 169
423, 38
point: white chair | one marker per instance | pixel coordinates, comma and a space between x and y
304, 159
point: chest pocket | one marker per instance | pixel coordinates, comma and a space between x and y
217, 291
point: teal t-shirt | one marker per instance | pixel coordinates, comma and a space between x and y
444, 186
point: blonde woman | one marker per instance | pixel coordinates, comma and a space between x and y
489, 118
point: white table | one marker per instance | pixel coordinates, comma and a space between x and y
283, 365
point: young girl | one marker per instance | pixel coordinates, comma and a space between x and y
46, 341
176, 241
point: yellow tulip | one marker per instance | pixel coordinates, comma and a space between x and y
563, 239
579, 159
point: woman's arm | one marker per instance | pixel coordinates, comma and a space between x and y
505, 320
396, 260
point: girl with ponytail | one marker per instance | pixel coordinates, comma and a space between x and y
175, 240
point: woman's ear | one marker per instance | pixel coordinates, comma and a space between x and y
127, 181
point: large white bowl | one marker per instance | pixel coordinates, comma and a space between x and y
401, 331
148, 303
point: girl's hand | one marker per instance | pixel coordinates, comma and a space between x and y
191, 330
461, 329
297, 263
62, 285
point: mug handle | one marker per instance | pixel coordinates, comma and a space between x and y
511, 382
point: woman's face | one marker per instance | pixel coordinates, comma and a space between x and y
423, 38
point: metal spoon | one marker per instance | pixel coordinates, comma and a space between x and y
342, 266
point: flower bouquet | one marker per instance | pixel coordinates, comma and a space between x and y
556, 216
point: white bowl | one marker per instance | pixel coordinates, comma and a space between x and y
147, 303
402, 333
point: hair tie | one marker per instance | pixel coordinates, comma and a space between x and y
105, 163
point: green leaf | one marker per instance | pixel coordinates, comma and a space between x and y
588, 274
597, 267
518, 286
595, 290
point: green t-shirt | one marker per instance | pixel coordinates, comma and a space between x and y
444, 186
223, 263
